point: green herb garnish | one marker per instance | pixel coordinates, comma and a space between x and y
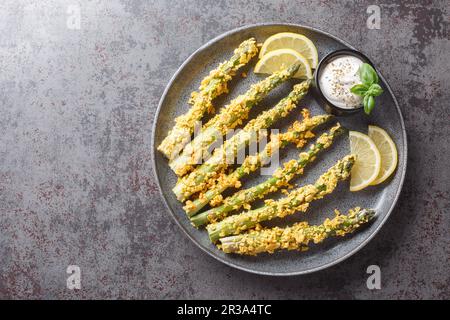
369, 88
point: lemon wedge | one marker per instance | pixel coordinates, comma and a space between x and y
294, 41
281, 59
368, 161
388, 153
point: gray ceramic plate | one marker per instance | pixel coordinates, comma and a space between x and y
382, 198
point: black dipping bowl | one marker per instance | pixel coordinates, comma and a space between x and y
324, 103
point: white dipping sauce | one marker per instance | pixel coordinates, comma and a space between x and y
336, 80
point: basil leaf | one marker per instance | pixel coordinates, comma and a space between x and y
375, 90
367, 74
366, 108
359, 89
369, 104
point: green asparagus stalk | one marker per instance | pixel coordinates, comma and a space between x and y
297, 200
195, 181
229, 117
296, 237
279, 179
211, 87
297, 134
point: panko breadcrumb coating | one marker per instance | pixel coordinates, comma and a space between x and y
297, 200
195, 181
229, 117
279, 179
211, 87
296, 134
296, 237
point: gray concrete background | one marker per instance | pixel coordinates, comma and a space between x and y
76, 183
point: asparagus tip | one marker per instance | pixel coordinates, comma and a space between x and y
368, 213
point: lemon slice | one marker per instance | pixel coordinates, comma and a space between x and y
281, 59
388, 153
368, 161
294, 41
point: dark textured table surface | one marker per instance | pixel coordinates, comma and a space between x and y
76, 183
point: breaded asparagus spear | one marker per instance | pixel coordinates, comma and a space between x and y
298, 134
211, 87
229, 117
220, 159
297, 200
296, 237
279, 179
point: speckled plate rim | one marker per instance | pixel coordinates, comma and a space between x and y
211, 252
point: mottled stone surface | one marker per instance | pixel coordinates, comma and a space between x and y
76, 183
